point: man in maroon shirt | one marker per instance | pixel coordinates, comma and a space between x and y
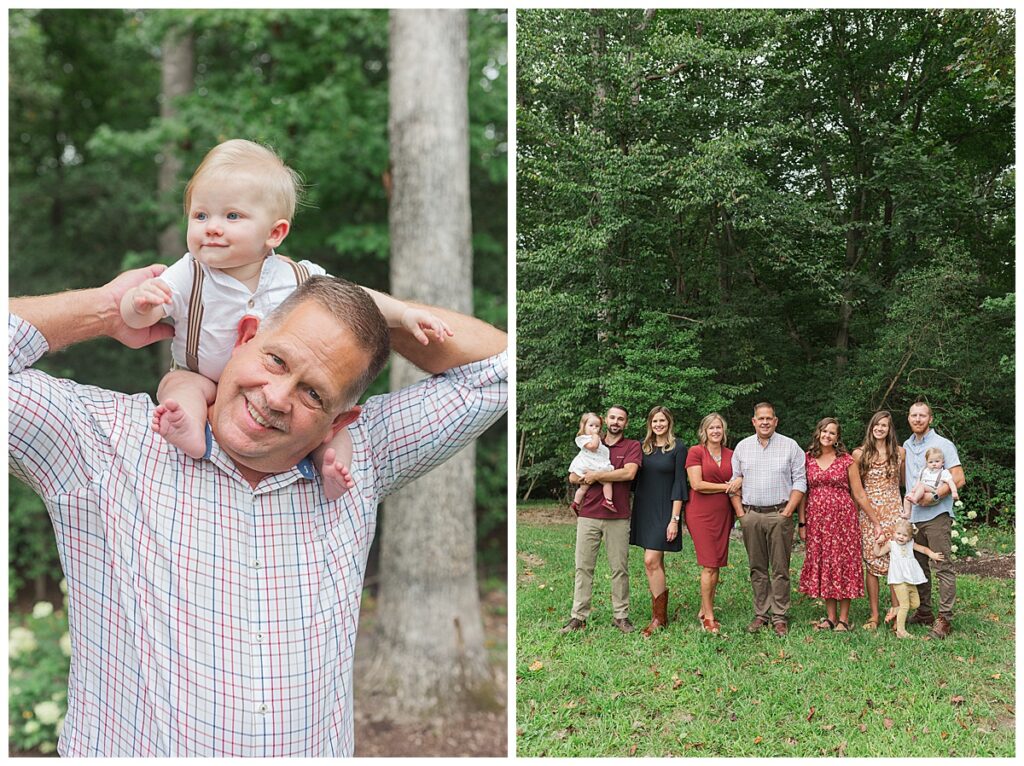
595, 521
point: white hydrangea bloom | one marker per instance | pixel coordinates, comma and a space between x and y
31, 727
64, 587
47, 712
47, 747
972, 514
20, 641
953, 548
42, 609
954, 533
65, 644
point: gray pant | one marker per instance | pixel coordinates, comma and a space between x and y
768, 538
588, 541
935, 534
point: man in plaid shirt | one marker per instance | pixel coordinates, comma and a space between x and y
213, 603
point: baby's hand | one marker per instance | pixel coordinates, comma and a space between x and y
419, 322
151, 293
937, 556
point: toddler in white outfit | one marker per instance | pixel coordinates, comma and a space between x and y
905, 574
932, 476
593, 456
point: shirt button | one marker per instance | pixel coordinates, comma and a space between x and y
251, 303
257, 564
262, 708
259, 638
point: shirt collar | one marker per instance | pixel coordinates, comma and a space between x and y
304, 469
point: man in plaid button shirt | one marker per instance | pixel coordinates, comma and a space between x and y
213, 603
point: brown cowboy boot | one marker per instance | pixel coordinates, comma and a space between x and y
659, 614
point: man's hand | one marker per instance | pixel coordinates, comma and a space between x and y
419, 322
734, 485
111, 295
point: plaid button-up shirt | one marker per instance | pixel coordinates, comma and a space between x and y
769, 473
209, 618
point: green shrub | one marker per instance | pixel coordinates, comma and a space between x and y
39, 648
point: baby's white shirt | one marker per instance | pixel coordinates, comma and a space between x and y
225, 302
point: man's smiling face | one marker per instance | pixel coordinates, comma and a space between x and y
286, 389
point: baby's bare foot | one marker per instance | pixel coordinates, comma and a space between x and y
904, 634
337, 479
180, 429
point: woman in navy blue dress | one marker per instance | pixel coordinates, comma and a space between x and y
658, 500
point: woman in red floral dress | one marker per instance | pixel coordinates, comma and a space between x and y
830, 526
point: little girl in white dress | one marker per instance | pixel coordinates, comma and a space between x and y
905, 574
593, 456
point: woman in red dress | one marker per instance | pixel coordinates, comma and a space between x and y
709, 515
830, 526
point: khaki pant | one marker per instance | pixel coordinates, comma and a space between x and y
909, 599
935, 534
616, 542
768, 538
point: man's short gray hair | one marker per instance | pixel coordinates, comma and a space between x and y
352, 307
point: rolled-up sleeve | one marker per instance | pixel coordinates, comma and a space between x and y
411, 431
798, 469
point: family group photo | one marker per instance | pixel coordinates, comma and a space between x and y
258, 376
765, 383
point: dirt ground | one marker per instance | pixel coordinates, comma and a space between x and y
483, 734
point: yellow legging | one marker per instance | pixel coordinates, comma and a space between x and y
907, 594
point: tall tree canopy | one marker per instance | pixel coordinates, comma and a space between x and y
809, 206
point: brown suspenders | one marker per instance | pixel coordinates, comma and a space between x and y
195, 309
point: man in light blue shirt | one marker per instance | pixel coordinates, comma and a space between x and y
933, 519
774, 478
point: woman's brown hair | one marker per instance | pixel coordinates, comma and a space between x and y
869, 452
648, 443
815, 448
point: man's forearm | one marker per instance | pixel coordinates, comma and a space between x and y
65, 318
794, 500
471, 341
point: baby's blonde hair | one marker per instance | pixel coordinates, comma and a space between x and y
279, 184
902, 525
583, 421
933, 451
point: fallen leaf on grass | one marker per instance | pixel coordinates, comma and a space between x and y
632, 750
790, 741
757, 740
537, 665
944, 734
677, 683
962, 724
993, 617
996, 676
887, 723
828, 726
956, 700
570, 704
732, 688
755, 702
732, 717
810, 715
863, 728
841, 750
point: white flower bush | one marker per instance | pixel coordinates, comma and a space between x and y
47, 712
42, 610
21, 641
65, 644
953, 548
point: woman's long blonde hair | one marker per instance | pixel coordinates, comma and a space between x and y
705, 424
648, 443
869, 453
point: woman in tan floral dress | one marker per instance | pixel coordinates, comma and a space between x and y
880, 459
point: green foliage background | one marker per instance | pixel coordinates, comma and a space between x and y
810, 206
87, 140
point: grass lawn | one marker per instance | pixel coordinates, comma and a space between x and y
685, 692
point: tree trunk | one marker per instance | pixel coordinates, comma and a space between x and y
177, 67
429, 656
